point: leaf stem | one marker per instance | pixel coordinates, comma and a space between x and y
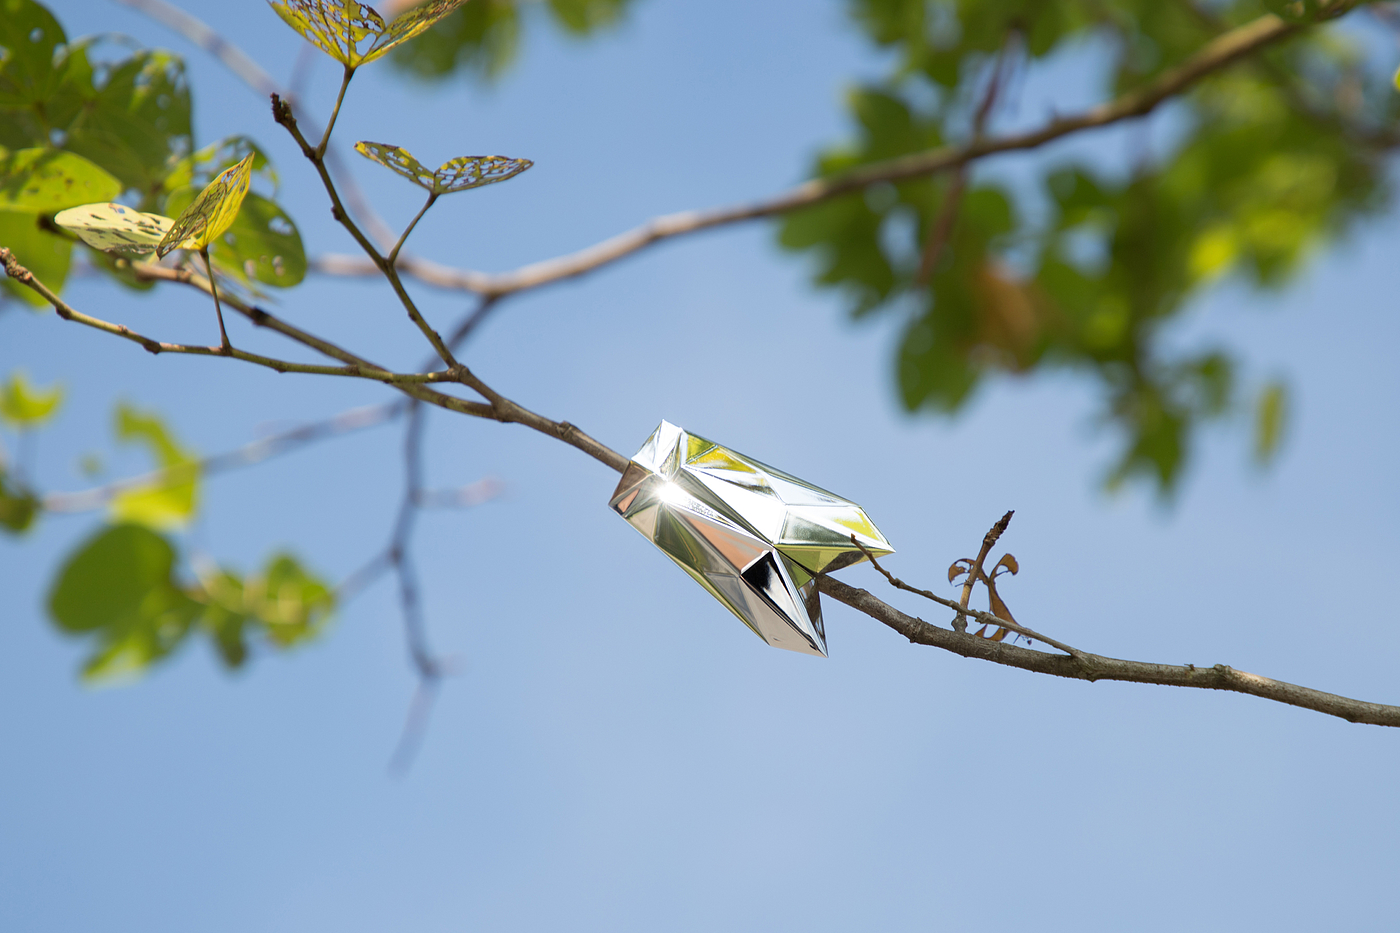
394, 253
335, 112
218, 309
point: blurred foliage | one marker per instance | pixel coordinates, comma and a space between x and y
1270, 416
1087, 268
91, 120
26, 406
18, 505
122, 591
170, 501
483, 36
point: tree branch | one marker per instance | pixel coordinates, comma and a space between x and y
356, 369
1091, 667
1215, 55
282, 113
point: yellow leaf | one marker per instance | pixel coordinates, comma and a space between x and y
115, 228
353, 33
211, 212
457, 174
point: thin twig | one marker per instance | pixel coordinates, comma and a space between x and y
354, 369
983, 617
429, 668
198, 32
282, 114
942, 228
1215, 55
264, 448
500, 409
975, 571
1093, 667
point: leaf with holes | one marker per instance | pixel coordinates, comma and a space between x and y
457, 174
46, 180
211, 212
354, 34
116, 228
261, 245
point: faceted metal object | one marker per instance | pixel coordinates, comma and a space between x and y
753, 536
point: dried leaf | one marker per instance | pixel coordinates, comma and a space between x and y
999, 608
211, 212
457, 174
340, 27
1007, 564
115, 228
958, 569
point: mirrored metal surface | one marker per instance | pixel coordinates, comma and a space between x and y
754, 537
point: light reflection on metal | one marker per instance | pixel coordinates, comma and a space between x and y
753, 536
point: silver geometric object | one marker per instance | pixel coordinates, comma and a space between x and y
753, 536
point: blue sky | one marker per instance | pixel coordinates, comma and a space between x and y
620, 753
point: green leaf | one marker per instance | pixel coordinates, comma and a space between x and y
116, 228
118, 588
457, 174
263, 243
45, 254
211, 212
1270, 421
354, 34
137, 125
46, 180
171, 501
29, 37
198, 169
26, 406
292, 603
285, 602
18, 506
